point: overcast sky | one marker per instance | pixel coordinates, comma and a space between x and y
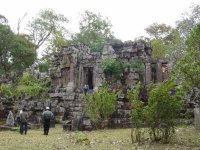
128, 17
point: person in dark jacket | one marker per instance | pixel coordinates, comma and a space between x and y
23, 121
47, 115
85, 88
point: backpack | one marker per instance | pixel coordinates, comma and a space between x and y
47, 115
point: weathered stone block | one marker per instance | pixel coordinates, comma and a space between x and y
197, 118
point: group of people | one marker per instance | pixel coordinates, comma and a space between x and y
47, 115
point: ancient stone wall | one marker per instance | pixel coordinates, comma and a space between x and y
76, 66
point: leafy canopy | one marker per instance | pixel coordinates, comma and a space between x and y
45, 26
187, 69
30, 85
100, 104
137, 115
163, 107
16, 51
111, 66
94, 31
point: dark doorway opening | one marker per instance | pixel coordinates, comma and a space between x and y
90, 78
153, 73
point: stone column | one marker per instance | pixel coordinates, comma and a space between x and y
148, 73
80, 76
197, 118
98, 76
71, 76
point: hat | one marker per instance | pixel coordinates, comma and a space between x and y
47, 108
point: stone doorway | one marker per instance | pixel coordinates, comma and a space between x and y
89, 76
153, 73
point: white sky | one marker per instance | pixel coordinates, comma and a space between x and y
128, 17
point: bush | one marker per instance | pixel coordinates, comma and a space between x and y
111, 66
137, 65
162, 110
43, 67
100, 104
30, 85
137, 115
7, 90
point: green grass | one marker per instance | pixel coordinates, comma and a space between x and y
112, 139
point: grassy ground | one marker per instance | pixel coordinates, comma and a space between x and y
113, 139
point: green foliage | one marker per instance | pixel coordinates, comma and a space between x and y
136, 64
189, 114
159, 49
43, 67
94, 31
8, 90
187, 69
16, 52
193, 40
57, 41
137, 106
175, 45
189, 20
43, 26
30, 85
162, 110
158, 31
7, 38
47, 28
23, 54
5, 90
100, 104
111, 66
137, 114
81, 138
165, 41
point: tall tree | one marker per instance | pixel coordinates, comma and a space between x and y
94, 31
42, 28
160, 35
189, 20
58, 40
187, 69
158, 31
165, 41
23, 53
193, 40
16, 52
6, 40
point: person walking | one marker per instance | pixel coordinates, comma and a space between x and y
47, 115
19, 121
23, 121
85, 88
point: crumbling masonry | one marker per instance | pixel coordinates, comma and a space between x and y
76, 66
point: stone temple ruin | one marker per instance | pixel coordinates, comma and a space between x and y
76, 66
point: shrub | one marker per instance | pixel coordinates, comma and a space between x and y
111, 66
137, 65
162, 110
100, 104
43, 67
30, 85
137, 115
5, 90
